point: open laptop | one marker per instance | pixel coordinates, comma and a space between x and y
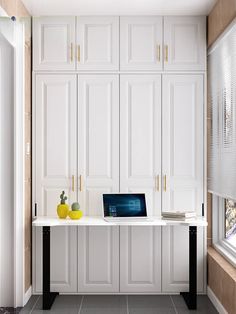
125, 207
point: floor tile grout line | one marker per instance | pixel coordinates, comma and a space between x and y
33, 307
127, 304
81, 303
176, 312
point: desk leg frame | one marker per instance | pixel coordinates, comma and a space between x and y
190, 297
48, 296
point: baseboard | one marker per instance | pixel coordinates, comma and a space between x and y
216, 301
27, 295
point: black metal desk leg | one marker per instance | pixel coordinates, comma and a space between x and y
48, 297
191, 296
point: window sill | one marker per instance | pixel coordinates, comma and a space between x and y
222, 255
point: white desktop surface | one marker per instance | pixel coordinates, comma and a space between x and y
99, 221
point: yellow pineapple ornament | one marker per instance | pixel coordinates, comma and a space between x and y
63, 208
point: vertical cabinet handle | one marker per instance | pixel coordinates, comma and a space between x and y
166, 53
73, 183
81, 183
71, 52
78, 53
165, 183
158, 53
158, 183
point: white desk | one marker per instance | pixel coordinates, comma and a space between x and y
48, 222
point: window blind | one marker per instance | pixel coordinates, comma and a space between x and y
222, 116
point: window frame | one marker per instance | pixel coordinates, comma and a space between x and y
218, 230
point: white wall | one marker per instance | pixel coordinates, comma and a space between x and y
6, 173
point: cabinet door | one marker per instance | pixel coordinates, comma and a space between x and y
140, 137
175, 259
182, 143
55, 163
185, 43
141, 43
54, 43
98, 43
140, 259
98, 259
98, 161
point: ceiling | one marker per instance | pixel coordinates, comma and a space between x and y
119, 7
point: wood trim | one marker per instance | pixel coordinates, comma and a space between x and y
219, 18
222, 280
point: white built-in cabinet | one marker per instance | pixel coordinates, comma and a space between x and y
141, 43
55, 157
182, 142
98, 132
98, 143
140, 138
184, 43
175, 275
151, 43
140, 259
53, 43
140, 171
69, 43
97, 43
98, 259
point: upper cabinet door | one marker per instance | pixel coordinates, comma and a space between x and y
98, 124
182, 142
141, 43
54, 43
185, 43
140, 137
97, 43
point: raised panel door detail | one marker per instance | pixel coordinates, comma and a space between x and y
98, 139
182, 144
140, 259
98, 259
140, 137
63, 259
56, 140
98, 43
185, 43
54, 43
55, 160
175, 259
141, 43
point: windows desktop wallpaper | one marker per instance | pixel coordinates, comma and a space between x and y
124, 205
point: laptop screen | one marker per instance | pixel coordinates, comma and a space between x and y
124, 205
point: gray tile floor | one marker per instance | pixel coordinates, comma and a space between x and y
114, 304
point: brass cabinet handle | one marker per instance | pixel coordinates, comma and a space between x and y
71, 52
166, 53
158, 53
157, 183
81, 183
78, 53
165, 183
73, 183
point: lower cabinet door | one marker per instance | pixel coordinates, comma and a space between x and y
63, 259
140, 259
98, 259
175, 259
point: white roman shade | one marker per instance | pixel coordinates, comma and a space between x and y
222, 116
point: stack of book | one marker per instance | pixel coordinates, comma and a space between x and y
178, 215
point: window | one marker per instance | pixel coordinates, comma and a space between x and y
224, 227
222, 142
230, 221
